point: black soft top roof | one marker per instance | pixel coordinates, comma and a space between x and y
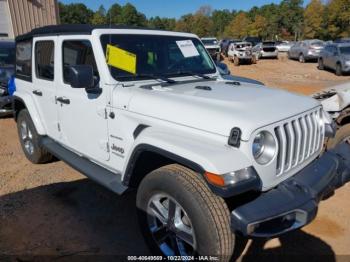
75, 29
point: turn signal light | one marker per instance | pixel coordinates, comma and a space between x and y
215, 179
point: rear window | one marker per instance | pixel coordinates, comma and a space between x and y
24, 60
7, 56
317, 44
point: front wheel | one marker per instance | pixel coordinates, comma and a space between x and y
301, 58
338, 70
342, 135
254, 59
320, 64
180, 216
236, 61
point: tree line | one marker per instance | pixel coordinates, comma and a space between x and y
289, 20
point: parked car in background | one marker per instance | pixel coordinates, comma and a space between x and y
7, 68
225, 45
266, 49
254, 40
225, 74
335, 57
284, 46
336, 101
213, 47
342, 40
307, 50
241, 52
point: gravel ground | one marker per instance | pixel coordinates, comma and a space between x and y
51, 212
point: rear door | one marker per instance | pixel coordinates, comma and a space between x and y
44, 78
82, 117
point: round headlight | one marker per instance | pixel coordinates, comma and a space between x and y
264, 147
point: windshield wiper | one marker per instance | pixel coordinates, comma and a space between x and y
191, 73
157, 77
151, 76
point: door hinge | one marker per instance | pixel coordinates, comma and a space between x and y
59, 127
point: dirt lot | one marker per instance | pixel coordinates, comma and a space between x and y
51, 210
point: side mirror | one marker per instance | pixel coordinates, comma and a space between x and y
223, 69
81, 76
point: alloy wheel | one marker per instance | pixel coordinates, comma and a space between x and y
27, 138
170, 226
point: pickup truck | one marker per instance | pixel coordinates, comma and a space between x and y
147, 111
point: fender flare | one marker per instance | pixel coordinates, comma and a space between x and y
149, 148
33, 112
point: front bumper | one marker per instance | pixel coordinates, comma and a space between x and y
5, 105
269, 54
294, 202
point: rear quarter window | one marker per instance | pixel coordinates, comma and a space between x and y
24, 60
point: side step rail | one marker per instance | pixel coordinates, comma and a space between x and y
93, 171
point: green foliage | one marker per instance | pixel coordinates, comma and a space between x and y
75, 14
99, 17
239, 27
288, 20
313, 19
221, 18
162, 23
338, 18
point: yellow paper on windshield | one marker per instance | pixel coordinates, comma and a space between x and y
121, 59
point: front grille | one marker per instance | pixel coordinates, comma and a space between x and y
298, 140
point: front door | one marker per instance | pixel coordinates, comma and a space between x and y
44, 78
82, 116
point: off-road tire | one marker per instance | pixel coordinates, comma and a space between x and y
320, 64
40, 155
302, 58
343, 133
209, 214
236, 61
338, 70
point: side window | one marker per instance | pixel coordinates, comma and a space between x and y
44, 60
24, 60
77, 52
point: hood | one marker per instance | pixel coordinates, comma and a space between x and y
218, 110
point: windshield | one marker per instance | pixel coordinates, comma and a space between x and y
210, 41
345, 50
317, 44
7, 56
155, 55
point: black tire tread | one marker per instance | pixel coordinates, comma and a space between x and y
42, 156
216, 206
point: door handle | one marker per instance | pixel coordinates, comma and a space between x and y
63, 100
37, 93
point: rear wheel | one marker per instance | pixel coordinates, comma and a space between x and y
179, 215
30, 140
338, 70
320, 64
301, 58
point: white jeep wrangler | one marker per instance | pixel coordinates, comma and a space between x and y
147, 110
